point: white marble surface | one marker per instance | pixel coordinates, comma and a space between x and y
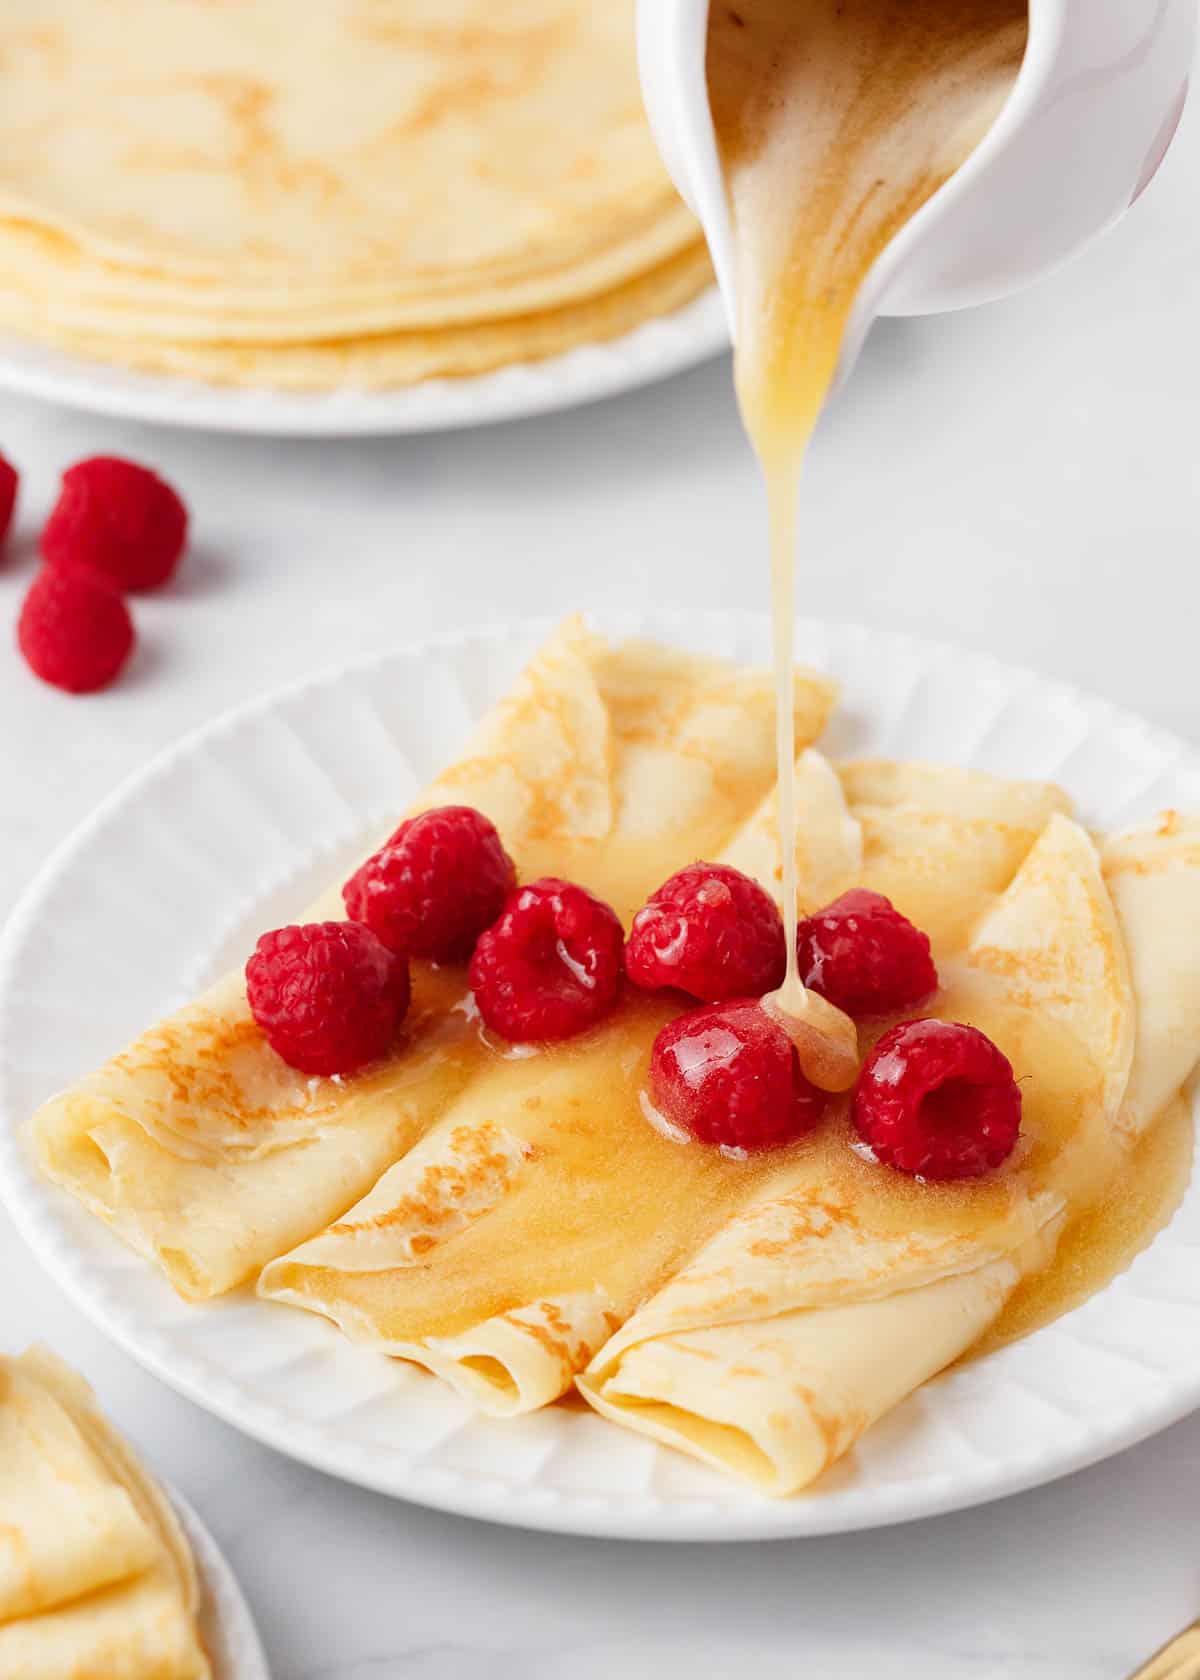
1025, 479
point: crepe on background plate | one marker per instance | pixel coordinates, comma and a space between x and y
210, 1156
375, 191
383, 360
96, 1576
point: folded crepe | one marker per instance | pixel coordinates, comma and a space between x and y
832, 1296
940, 841
544, 1207
210, 1156
96, 1576
1153, 875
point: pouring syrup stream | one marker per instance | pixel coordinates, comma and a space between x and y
836, 121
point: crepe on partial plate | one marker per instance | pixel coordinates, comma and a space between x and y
96, 1575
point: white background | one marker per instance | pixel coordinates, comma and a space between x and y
1024, 479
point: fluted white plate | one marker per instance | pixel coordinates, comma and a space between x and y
242, 823
226, 1625
652, 351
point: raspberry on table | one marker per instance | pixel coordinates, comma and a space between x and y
9, 481
118, 519
550, 966
709, 931
864, 956
433, 888
74, 630
938, 1099
729, 1074
328, 996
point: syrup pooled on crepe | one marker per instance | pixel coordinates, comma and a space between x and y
543, 1209
505, 1214
842, 1285
836, 121
198, 1144
543, 1223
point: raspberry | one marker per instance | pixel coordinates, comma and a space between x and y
710, 931
118, 519
9, 479
438, 882
729, 1074
550, 966
74, 630
938, 1100
864, 956
327, 995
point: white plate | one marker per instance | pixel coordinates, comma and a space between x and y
236, 828
226, 1625
652, 351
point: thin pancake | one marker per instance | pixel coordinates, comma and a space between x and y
508, 1247
1153, 875
65, 1528
80, 293
829, 837
378, 360
397, 143
372, 192
64, 1473
579, 1208
205, 1152
811, 1315
941, 841
937, 837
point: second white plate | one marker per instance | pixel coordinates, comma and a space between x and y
240, 825
652, 351
226, 1625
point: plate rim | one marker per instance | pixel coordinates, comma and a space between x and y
653, 350
226, 1598
478, 1495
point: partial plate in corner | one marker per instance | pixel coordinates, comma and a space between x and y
226, 1625
259, 810
655, 350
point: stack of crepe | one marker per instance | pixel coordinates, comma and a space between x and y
96, 1577
515, 1224
352, 191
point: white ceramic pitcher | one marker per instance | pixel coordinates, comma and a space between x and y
1093, 111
